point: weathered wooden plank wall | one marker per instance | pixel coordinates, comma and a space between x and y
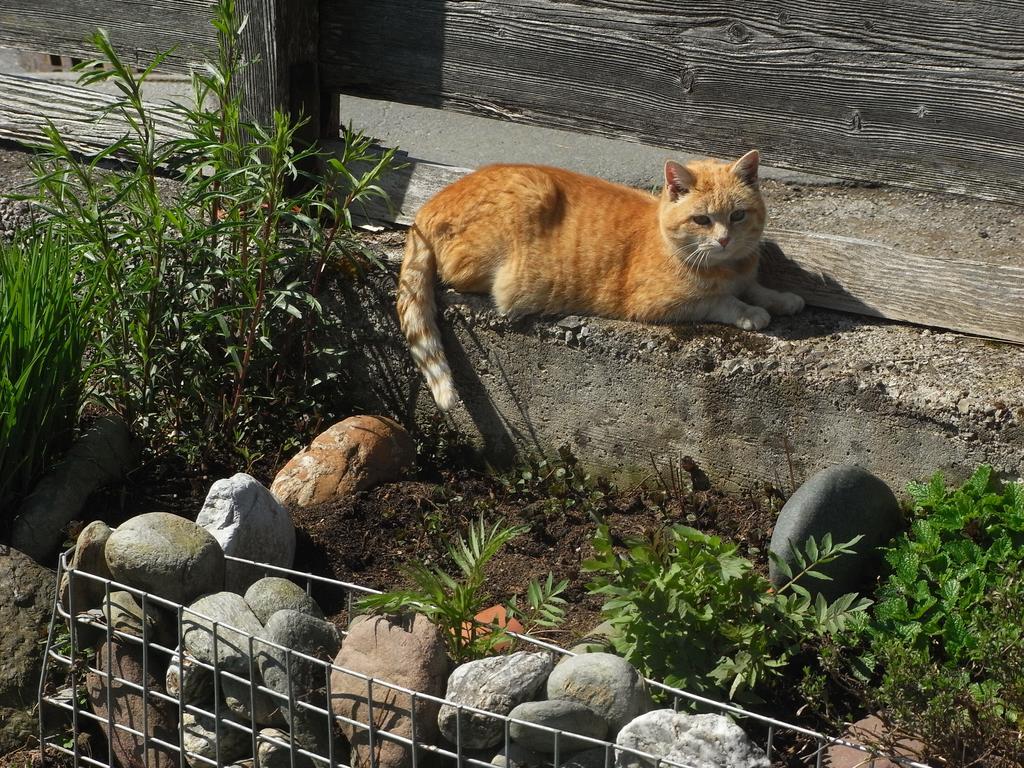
26, 103
139, 28
922, 93
279, 42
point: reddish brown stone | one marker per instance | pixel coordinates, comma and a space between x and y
870, 731
127, 705
406, 651
355, 454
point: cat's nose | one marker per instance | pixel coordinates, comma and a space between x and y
723, 241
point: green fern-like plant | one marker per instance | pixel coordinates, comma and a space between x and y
452, 602
689, 610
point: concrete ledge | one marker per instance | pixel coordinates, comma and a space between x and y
823, 387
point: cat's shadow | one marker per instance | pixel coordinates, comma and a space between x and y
844, 310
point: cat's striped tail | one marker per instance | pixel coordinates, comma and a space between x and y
417, 314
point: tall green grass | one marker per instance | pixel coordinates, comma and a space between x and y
43, 334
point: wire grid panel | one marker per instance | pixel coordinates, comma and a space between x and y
134, 715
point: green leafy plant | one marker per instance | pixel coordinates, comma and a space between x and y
688, 610
208, 288
44, 325
452, 603
947, 631
558, 485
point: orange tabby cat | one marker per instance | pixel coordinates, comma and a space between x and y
545, 240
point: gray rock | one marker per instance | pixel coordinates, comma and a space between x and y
275, 750
98, 458
305, 634
123, 613
26, 600
700, 741
215, 738
597, 640
166, 555
408, 651
845, 501
248, 522
272, 594
302, 679
79, 593
607, 684
518, 756
155, 718
566, 716
189, 680
256, 706
227, 614
599, 757
497, 684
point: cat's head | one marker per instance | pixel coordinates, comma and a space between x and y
712, 213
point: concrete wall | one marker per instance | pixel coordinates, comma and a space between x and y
812, 391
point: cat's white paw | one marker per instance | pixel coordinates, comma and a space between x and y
753, 319
788, 304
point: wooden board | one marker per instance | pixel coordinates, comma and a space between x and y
26, 102
969, 293
139, 29
926, 94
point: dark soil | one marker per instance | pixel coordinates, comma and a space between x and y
367, 538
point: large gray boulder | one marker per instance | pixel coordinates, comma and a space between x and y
248, 522
26, 599
165, 555
407, 651
565, 716
844, 501
606, 683
272, 594
497, 684
699, 741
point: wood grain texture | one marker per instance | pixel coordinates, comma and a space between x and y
968, 293
926, 94
139, 28
26, 102
279, 46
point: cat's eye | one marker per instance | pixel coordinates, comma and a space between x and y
701, 220
739, 215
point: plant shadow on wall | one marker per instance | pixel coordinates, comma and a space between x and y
208, 291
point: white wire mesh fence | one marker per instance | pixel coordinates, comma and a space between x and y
151, 719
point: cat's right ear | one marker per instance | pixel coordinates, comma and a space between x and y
678, 180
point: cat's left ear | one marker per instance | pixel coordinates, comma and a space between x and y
746, 167
678, 180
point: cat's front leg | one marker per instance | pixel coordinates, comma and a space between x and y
730, 310
776, 302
